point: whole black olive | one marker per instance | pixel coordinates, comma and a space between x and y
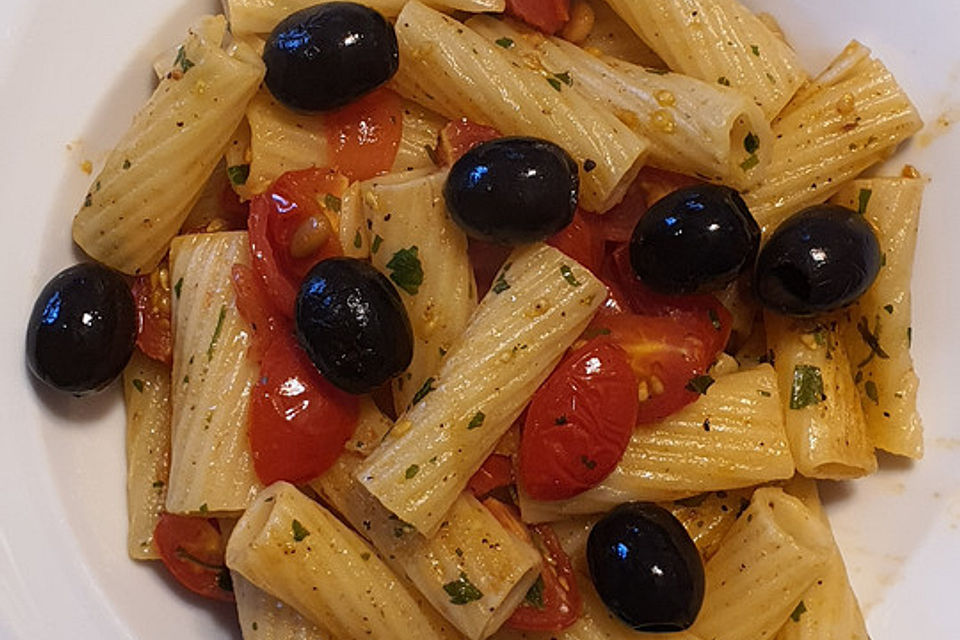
646, 568
513, 190
693, 240
352, 324
325, 56
82, 329
816, 261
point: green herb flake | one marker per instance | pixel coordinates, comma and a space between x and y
714, 319
863, 199
700, 384
126, 164
755, 49
798, 611
332, 202
254, 626
299, 531
560, 420
564, 78
365, 556
872, 340
158, 484
870, 387
377, 241
567, 274
357, 240
216, 331
765, 394
534, 597
423, 390
411, 471
203, 508
137, 384
807, 387
750, 162
462, 591
476, 420
506, 43
883, 259
182, 60
588, 463
501, 284
723, 80
888, 308
406, 271
177, 287
88, 201
238, 174
186, 379
771, 78
555, 83
751, 143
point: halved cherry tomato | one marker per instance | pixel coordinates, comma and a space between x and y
486, 259
548, 16
495, 472
192, 549
256, 308
616, 225
665, 353
553, 603
579, 422
580, 241
154, 331
299, 422
363, 137
459, 136
275, 218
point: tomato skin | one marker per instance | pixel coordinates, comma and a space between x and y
299, 422
274, 218
364, 136
548, 16
192, 549
495, 472
579, 422
486, 259
580, 241
562, 603
154, 325
459, 136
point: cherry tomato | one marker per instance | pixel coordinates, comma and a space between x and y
579, 422
256, 308
665, 353
299, 422
553, 603
151, 293
459, 136
192, 549
548, 16
363, 137
280, 256
616, 225
580, 241
495, 473
486, 259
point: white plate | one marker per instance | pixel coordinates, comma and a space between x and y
71, 76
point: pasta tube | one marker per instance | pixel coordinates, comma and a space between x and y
263, 617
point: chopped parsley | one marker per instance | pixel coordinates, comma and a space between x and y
560, 420
411, 471
500, 284
126, 164
807, 387
238, 174
406, 271
888, 308
462, 591
534, 597
182, 60
137, 384
377, 241
871, 340
299, 531
476, 420
555, 83
506, 43
216, 331
567, 274
365, 556
700, 384
203, 508
750, 162
357, 240
564, 78
798, 611
870, 387
863, 199
751, 143
423, 390
332, 202
755, 49
158, 484
177, 287
723, 80
588, 463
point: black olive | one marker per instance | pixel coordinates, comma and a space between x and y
325, 56
816, 261
646, 568
82, 329
352, 324
513, 190
693, 240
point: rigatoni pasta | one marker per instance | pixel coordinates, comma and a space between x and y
263, 617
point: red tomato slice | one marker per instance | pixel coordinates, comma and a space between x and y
496, 472
553, 603
459, 136
299, 422
486, 259
192, 549
154, 331
665, 353
579, 422
548, 16
580, 241
276, 216
364, 136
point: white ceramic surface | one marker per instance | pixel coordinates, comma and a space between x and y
71, 76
